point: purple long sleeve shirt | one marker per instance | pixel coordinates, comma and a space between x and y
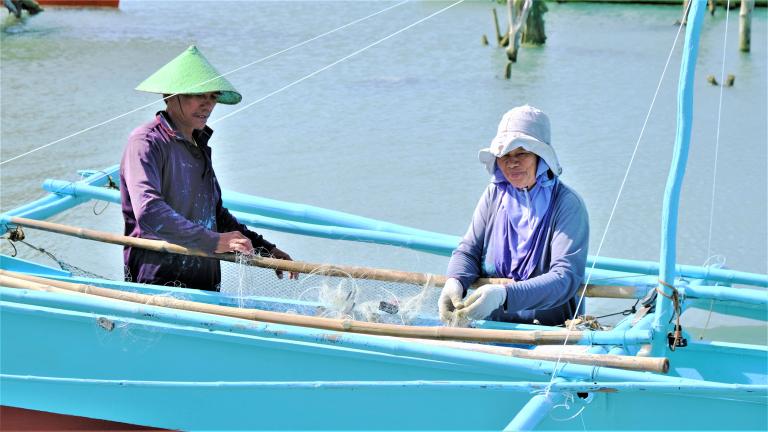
549, 295
169, 192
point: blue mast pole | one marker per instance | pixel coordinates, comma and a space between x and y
664, 306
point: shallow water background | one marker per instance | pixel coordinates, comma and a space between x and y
393, 132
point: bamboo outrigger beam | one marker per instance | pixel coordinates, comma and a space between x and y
67, 194
386, 275
439, 336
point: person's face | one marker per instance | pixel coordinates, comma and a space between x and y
192, 111
519, 167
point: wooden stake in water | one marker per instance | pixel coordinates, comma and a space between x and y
517, 14
684, 20
513, 12
534, 33
496, 25
745, 24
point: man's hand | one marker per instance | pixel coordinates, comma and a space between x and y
450, 299
234, 241
483, 301
278, 254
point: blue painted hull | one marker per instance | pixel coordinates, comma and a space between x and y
146, 365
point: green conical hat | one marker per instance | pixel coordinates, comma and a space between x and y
190, 73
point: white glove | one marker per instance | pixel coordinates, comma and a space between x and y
450, 299
483, 301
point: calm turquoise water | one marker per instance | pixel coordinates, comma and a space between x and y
392, 133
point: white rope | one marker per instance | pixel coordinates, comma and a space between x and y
204, 82
717, 136
615, 204
306, 77
717, 152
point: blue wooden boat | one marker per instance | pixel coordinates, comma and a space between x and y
182, 359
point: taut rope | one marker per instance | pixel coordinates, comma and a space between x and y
82, 131
618, 195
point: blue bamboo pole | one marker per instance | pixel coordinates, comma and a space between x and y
273, 209
50, 198
316, 215
695, 388
617, 350
740, 295
34, 301
533, 412
437, 244
597, 349
730, 308
434, 245
57, 201
423, 244
710, 274
63, 187
42, 209
664, 307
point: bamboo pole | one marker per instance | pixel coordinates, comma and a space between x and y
496, 26
384, 275
646, 364
428, 242
745, 24
536, 337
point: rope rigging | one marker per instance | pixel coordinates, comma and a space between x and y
717, 152
16, 234
82, 131
675, 338
674, 297
347, 57
618, 196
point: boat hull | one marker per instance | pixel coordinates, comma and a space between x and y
20, 419
141, 365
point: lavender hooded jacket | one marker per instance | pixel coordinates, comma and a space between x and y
169, 192
549, 295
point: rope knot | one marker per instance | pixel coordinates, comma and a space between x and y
675, 338
111, 183
16, 234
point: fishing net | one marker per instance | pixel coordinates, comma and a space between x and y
312, 294
64, 265
338, 296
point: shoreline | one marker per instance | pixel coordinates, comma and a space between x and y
734, 4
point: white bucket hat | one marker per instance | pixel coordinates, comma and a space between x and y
526, 127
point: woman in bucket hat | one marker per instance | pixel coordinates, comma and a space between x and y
168, 187
528, 226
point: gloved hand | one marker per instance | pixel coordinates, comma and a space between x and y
450, 299
483, 301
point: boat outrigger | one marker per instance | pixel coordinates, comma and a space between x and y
177, 358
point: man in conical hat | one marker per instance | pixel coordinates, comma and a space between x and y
168, 186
